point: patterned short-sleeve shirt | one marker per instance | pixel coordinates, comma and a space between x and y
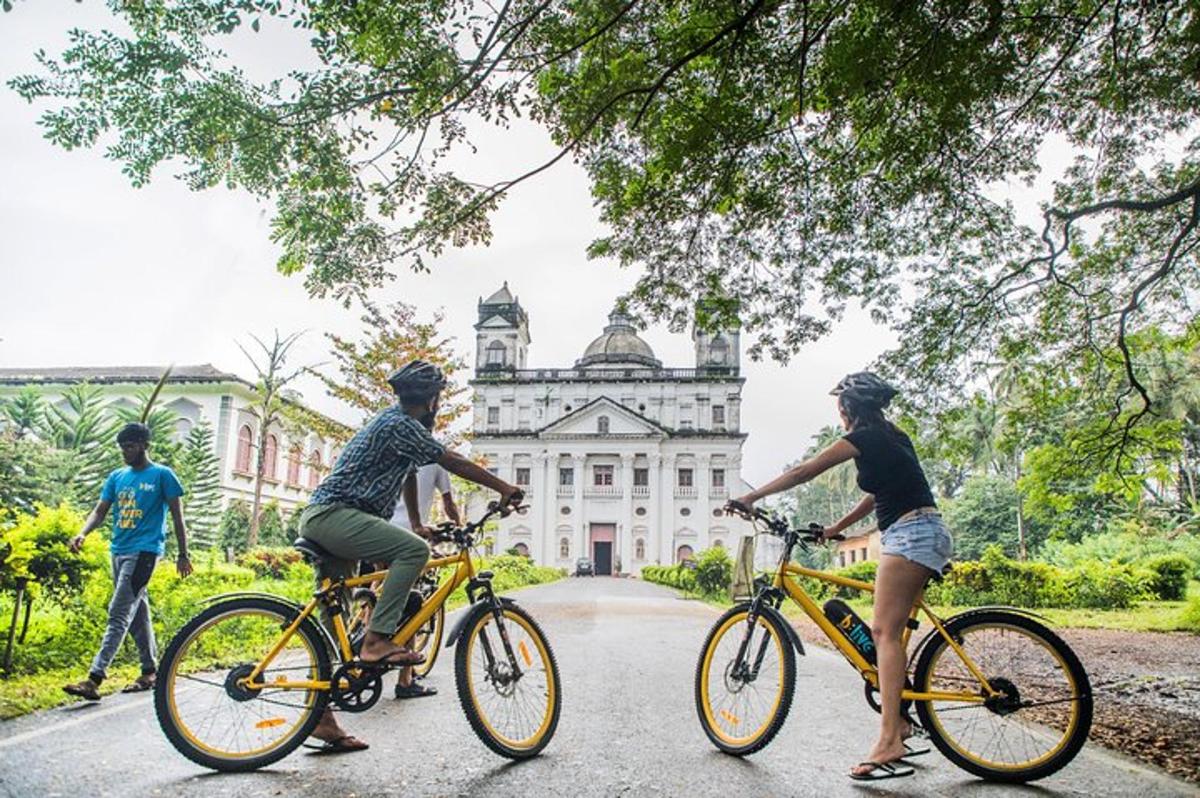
370, 472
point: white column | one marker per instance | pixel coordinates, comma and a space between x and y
654, 539
703, 489
625, 527
581, 543
666, 511
543, 503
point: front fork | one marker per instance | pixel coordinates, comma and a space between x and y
480, 590
748, 671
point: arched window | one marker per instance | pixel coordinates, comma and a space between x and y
639, 549
718, 544
719, 351
293, 464
314, 470
684, 552
602, 425
496, 354
522, 549
270, 447
245, 444
564, 549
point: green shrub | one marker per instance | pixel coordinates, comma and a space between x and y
714, 571
861, 571
1190, 619
1105, 586
1169, 576
677, 576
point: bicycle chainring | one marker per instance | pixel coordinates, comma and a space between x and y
356, 687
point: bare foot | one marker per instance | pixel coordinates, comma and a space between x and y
882, 752
327, 728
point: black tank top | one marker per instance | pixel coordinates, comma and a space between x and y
888, 468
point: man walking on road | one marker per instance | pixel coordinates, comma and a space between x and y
142, 490
426, 481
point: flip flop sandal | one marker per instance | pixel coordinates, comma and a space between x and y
415, 690
346, 744
881, 770
139, 685
911, 751
417, 659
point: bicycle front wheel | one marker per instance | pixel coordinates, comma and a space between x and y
1043, 712
428, 639
744, 681
203, 702
511, 700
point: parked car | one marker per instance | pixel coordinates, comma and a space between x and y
584, 567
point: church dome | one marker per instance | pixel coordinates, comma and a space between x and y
618, 346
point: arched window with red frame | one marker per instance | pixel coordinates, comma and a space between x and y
293, 464
244, 446
314, 470
270, 448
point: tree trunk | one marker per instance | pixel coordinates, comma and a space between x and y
260, 465
12, 627
1022, 553
25, 623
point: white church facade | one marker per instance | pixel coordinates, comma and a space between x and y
623, 460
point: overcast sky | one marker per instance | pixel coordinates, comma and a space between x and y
95, 272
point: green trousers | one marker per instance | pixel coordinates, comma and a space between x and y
352, 535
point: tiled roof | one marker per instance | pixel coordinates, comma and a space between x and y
114, 374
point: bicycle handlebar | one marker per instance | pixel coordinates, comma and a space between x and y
779, 527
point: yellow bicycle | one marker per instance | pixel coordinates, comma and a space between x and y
998, 693
244, 683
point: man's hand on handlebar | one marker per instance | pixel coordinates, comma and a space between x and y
825, 535
510, 499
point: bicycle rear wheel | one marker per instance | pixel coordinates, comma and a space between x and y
514, 711
201, 700
428, 640
744, 681
1042, 716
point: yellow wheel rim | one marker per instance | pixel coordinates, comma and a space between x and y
217, 724
519, 714
1006, 655
739, 713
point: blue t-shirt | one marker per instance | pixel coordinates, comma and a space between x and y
139, 503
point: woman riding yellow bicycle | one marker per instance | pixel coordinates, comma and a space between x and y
914, 542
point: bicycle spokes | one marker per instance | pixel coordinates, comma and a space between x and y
214, 703
1036, 707
742, 679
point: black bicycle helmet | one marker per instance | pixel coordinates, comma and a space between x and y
865, 388
418, 380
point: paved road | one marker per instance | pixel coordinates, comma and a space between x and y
626, 652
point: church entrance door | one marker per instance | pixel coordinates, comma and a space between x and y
602, 547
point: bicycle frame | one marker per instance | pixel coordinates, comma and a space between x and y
464, 570
785, 580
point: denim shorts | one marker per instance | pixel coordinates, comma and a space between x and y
923, 539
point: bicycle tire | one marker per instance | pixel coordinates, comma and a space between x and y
766, 732
472, 706
1078, 726
433, 643
279, 612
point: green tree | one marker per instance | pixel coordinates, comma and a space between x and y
786, 158
23, 472
83, 434
392, 336
24, 412
234, 529
199, 471
985, 513
270, 407
270, 525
